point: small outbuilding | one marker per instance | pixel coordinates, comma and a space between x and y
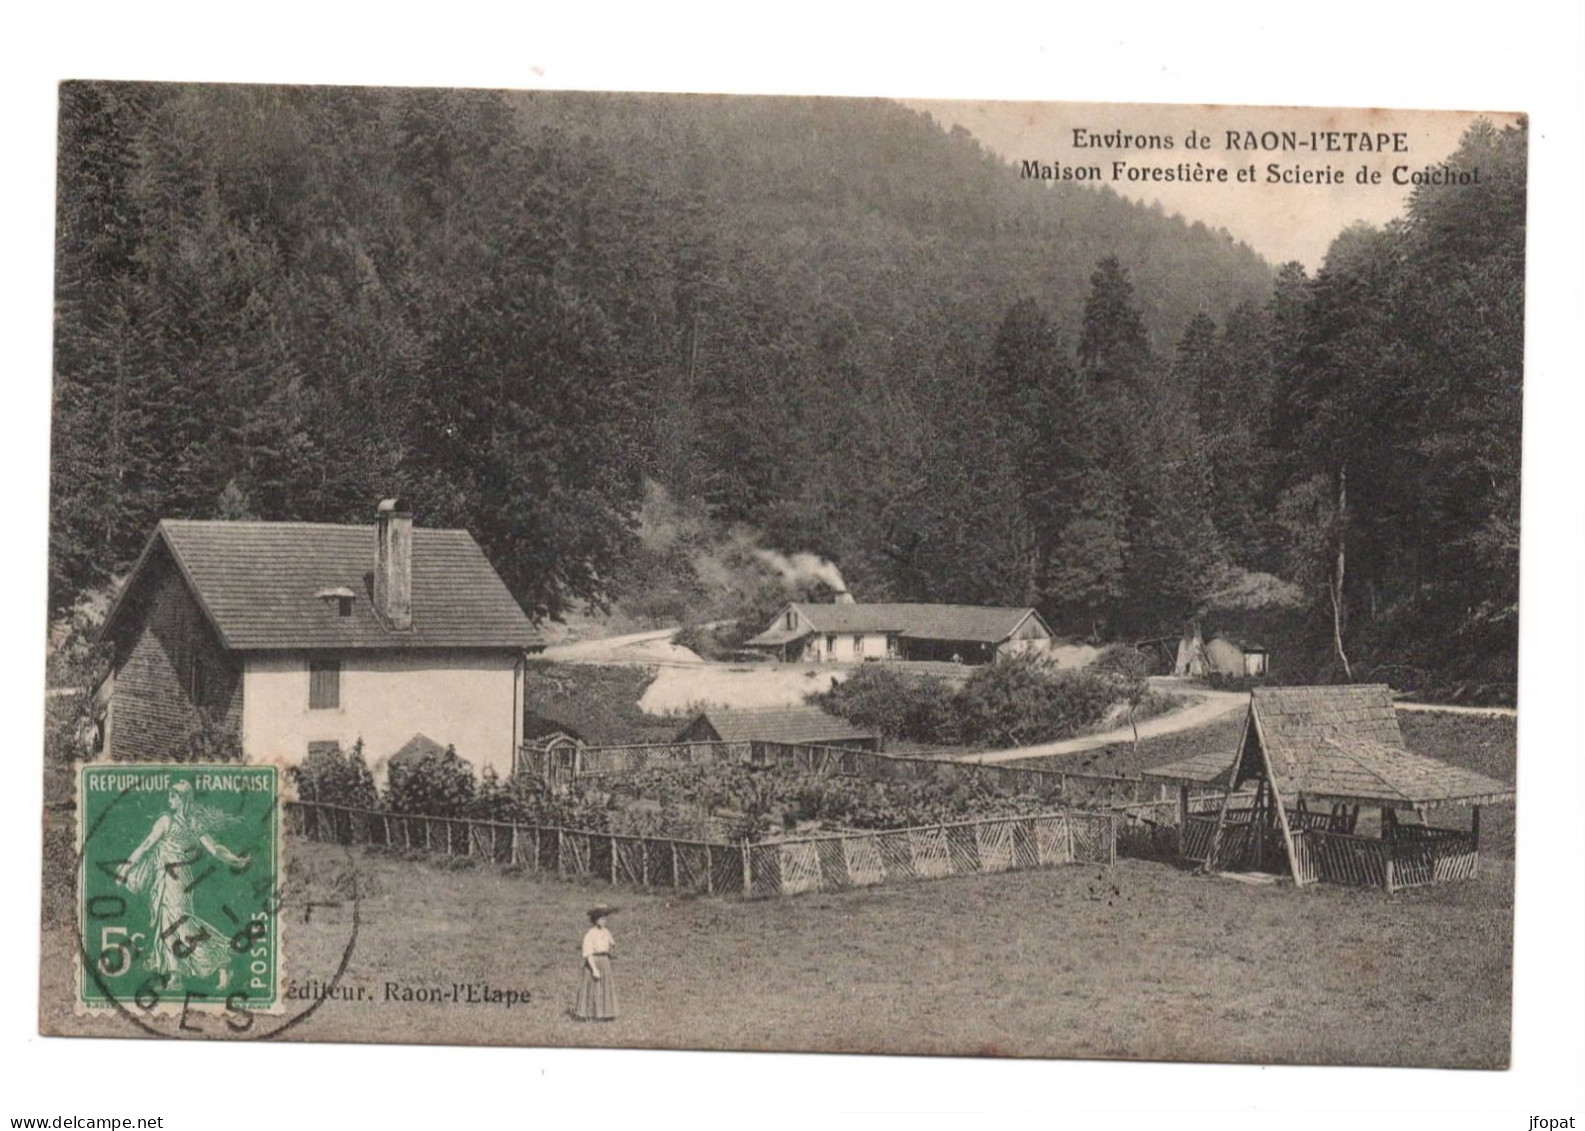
1288, 799
1224, 655
802, 725
848, 632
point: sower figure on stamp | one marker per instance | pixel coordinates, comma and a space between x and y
184, 946
596, 990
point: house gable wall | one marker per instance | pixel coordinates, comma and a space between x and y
471, 699
153, 716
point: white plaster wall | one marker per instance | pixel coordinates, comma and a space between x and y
470, 700
874, 647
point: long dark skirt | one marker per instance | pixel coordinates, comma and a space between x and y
596, 997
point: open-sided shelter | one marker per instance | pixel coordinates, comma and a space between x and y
1289, 797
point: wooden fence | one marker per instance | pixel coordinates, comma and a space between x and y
1415, 856
834, 862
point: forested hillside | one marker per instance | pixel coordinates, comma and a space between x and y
828, 322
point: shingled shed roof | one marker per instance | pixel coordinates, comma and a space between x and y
1357, 769
1293, 720
779, 724
261, 585
1335, 743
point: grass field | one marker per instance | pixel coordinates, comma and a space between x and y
1138, 961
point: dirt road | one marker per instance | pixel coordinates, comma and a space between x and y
653, 647
1205, 706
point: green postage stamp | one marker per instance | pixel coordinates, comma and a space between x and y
178, 895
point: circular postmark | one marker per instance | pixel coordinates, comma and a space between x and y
185, 904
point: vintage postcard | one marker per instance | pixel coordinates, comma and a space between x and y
793, 574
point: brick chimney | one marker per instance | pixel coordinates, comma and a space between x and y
393, 564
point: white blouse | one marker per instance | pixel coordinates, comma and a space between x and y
596, 940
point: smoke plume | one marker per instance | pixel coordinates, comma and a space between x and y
797, 569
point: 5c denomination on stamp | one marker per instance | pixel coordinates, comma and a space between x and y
179, 891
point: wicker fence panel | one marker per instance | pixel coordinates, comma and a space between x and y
1341, 858
627, 863
1304, 856
1422, 856
764, 876
964, 849
994, 844
726, 869
691, 867
833, 862
932, 859
896, 850
862, 859
1026, 851
1053, 841
798, 867
827, 863
521, 847
1094, 838
576, 855
1197, 838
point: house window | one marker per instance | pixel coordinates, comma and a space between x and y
858, 646
792, 619
195, 680
324, 684
831, 645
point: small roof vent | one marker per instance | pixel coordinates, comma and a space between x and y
341, 595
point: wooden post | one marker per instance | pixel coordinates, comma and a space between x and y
1287, 839
675, 881
1221, 819
561, 852
613, 858
643, 866
709, 870
1183, 819
1474, 832
748, 872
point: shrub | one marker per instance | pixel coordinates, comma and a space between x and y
895, 702
336, 778
437, 785
1026, 698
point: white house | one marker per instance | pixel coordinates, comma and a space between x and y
848, 632
282, 636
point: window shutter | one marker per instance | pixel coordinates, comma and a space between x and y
324, 684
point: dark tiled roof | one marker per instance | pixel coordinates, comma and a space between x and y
973, 623
416, 749
258, 582
1342, 744
780, 724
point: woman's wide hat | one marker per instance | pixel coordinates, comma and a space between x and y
600, 910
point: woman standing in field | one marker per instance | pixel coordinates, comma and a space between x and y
183, 945
596, 991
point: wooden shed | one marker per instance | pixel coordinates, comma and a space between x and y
797, 725
1288, 799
